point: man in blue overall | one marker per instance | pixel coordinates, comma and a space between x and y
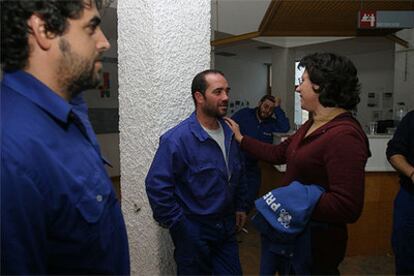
196, 184
260, 123
400, 153
59, 212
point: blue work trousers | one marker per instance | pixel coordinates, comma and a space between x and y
286, 258
271, 261
205, 246
403, 233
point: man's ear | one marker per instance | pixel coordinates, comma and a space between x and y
315, 87
199, 97
39, 32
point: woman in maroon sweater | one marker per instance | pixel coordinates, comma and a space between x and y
330, 150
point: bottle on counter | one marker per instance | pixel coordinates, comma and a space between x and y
399, 113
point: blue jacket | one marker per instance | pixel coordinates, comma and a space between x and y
59, 212
288, 209
403, 143
188, 175
250, 124
262, 131
283, 219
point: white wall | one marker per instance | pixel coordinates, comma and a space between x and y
161, 46
283, 79
376, 74
247, 79
404, 70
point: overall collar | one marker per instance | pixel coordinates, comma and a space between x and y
37, 92
201, 134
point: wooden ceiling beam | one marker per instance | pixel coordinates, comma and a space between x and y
235, 38
398, 40
269, 15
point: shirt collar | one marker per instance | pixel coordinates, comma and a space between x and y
201, 134
30, 87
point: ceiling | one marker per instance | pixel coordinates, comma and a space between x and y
293, 23
324, 18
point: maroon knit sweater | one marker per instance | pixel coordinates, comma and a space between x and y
333, 156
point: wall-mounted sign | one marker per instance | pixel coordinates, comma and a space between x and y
367, 19
385, 19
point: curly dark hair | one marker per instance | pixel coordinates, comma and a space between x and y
336, 77
14, 29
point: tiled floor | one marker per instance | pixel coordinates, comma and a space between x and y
358, 265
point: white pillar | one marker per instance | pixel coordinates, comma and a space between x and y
161, 46
283, 79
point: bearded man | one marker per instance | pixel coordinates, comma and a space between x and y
59, 212
260, 123
196, 184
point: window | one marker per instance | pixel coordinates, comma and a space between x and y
301, 115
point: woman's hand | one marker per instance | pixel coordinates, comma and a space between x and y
235, 128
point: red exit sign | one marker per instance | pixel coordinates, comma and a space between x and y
367, 19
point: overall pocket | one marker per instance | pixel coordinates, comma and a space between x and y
92, 203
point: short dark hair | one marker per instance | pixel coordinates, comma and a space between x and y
336, 77
14, 29
199, 82
268, 97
